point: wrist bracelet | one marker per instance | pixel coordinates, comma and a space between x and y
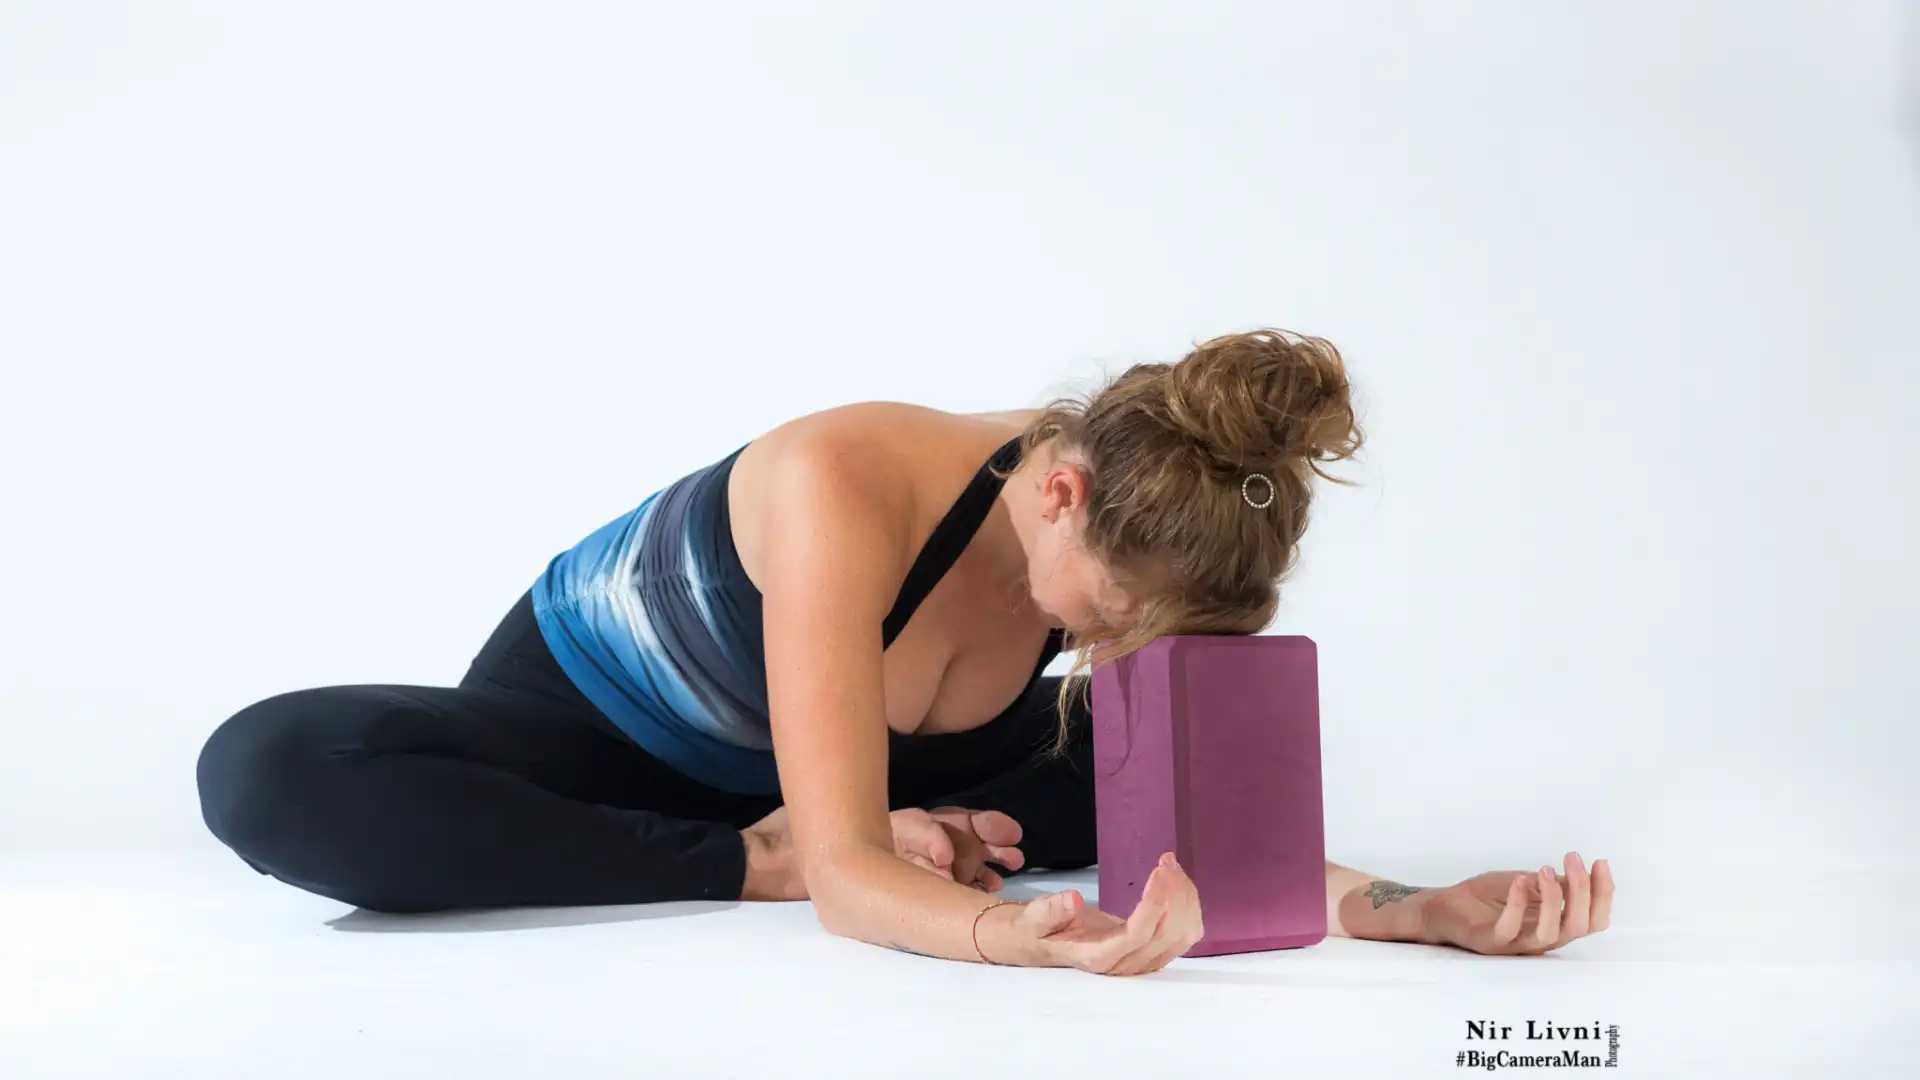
976, 927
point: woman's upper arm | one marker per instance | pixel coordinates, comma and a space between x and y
830, 572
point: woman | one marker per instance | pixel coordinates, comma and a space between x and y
813, 670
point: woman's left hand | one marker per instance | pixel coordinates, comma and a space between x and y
1515, 912
957, 843
952, 841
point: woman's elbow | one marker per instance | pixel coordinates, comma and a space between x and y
831, 886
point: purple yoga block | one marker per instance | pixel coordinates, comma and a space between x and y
1209, 747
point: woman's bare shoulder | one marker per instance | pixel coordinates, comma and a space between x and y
1016, 419
912, 459
889, 442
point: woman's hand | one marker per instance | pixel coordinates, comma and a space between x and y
951, 841
957, 843
1060, 930
1512, 912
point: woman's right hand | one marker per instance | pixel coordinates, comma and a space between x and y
1060, 930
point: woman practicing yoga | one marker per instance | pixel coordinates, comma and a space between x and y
812, 670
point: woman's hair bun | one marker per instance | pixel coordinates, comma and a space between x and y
1263, 400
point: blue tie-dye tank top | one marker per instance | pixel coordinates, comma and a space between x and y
654, 619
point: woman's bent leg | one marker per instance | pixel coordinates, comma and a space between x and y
409, 798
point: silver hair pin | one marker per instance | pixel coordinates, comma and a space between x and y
1250, 477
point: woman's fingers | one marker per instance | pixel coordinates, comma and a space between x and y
1579, 899
960, 834
940, 846
1168, 945
995, 834
1053, 912
1107, 954
970, 862
995, 828
928, 865
1141, 960
1602, 894
1176, 927
916, 832
1142, 940
1507, 927
1153, 903
1183, 927
1164, 925
1571, 906
1174, 951
1547, 930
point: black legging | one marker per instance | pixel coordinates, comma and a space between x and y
512, 789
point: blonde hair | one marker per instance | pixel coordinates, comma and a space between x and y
1167, 449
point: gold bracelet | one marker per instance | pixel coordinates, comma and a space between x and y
976, 927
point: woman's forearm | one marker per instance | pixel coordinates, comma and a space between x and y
875, 896
1362, 905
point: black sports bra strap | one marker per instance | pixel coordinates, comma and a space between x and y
949, 539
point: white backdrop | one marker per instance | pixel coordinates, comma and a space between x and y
323, 329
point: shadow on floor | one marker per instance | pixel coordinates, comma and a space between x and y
1314, 980
362, 921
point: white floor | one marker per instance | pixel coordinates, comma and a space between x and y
189, 965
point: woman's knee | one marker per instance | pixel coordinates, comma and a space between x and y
283, 783
260, 771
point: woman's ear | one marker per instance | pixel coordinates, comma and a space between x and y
1057, 495
1065, 488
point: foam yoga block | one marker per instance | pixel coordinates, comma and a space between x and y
1209, 747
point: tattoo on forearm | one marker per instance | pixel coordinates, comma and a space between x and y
904, 949
1386, 892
